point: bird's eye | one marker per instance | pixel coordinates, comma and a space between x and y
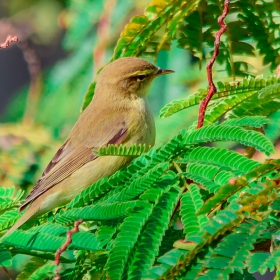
141, 78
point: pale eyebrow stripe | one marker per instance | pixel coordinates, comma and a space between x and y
138, 73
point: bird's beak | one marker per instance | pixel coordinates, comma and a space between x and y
163, 72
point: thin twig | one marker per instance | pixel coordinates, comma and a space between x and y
179, 170
67, 242
65, 246
212, 88
57, 275
7, 273
185, 188
8, 40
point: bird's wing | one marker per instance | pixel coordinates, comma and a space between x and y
70, 157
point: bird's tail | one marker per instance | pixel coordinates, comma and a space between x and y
25, 217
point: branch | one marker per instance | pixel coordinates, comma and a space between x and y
9, 40
68, 241
211, 86
65, 246
7, 273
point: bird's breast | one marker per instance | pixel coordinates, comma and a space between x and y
141, 123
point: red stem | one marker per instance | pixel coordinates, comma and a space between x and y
65, 246
67, 242
7, 42
211, 86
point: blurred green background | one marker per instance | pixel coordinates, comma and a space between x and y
44, 77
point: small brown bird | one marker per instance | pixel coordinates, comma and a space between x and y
118, 113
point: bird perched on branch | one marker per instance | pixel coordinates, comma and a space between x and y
119, 113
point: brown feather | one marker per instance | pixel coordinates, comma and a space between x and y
66, 161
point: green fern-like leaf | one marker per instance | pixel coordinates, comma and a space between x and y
34, 241
138, 185
9, 199
228, 97
91, 242
190, 204
120, 150
50, 237
150, 239
223, 177
228, 190
5, 257
47, 270
197, 37
139, 36
207, 183
92, 193
223, 158
225, 221
36, 268
181, 104
258, 21
230, 133
167, 261
253, 21
209, 176
191, 35
252, 106
262, 262
251, 121
209, 172
8, 219
50, 228
127, 237
226, 258
101, 211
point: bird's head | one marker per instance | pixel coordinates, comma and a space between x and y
130, 75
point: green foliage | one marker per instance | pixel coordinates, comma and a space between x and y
5, 257
7, 198
126, 240
8, 219
222, 158
264, 261
9, 202
37, 269
130, 217
152, 234
191, 203
232, 251
230, 133
255, 177
102, 211
183, 209
197, 34
140, 35
134, 150
251, 96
